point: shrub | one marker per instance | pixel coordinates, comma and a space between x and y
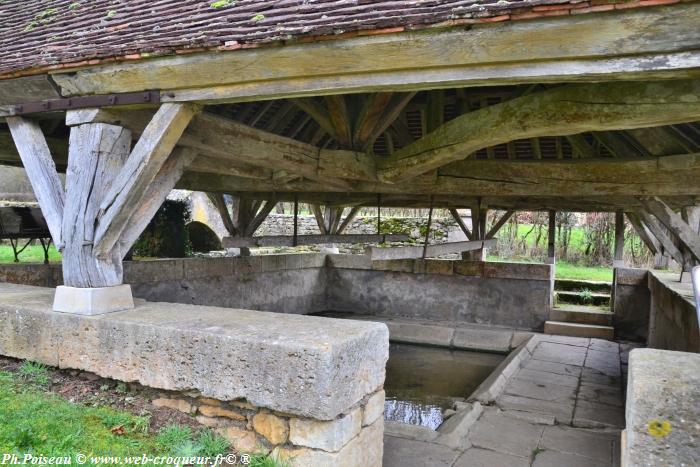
166, 235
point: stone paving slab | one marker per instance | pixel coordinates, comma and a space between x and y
563, 407
400, 452
551, 367
496, 431
560, 353
561, 459
586, 443
476, 457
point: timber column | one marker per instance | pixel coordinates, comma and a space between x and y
111, 193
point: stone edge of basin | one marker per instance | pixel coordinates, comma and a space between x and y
455, 429
663, 386
268, 359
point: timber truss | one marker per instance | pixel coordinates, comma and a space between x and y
608, 122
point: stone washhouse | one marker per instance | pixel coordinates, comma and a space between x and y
467, 105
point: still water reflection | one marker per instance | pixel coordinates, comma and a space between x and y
421, 382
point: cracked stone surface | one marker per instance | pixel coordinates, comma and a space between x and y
577, 382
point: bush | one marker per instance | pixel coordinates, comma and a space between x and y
166, 235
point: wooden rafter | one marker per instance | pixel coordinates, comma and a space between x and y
675, 223
499, 224
565, 110
664, 239
462, 225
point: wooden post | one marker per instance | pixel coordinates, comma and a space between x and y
296, 219
618, 256
96, 156
551, 238
427, 231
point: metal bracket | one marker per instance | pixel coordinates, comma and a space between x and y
83, 102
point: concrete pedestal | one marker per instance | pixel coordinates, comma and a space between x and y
94, 301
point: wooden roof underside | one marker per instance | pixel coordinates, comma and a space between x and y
450, 116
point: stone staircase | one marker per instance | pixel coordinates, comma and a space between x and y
582, 309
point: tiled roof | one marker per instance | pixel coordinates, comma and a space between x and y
36, 35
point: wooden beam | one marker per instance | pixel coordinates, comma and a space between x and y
671, 176
675, 223
647, 237
662, 237
41, 170
500, 223
625, 44
582, 147
551, 238
462, 225
140, 169
430, 251
391, 113
260, 217
340, 119
284, 240
619, 248
155, 196
369, 118
348, 219
219, 202
320, 220
97, 154
319, 113
561, 111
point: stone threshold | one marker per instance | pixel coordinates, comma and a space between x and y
447, 334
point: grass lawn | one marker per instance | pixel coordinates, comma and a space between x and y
591, 273
33, 254
566, 270
37, 422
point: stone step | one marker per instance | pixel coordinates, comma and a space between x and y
579, 330
581, 315
581, 298
574, 285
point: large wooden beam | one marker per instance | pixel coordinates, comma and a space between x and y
431, 251
140, 169
624, 44
675, 223
41, 170
662, 237
284, 240
462, 225
561, 111
647, 237
666, 176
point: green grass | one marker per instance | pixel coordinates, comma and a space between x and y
592, 273
33, 421
33, 254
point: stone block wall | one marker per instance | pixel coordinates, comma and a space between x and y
353, 438
631, 303
305, 388
507, 294
673, 321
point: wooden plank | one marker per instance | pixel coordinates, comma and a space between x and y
145, 161
675, 223
578, 108
40, 167
431, 251
369, 118
618, 44
283, 240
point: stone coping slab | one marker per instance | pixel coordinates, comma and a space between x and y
663, 408
302, 365
670, 281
